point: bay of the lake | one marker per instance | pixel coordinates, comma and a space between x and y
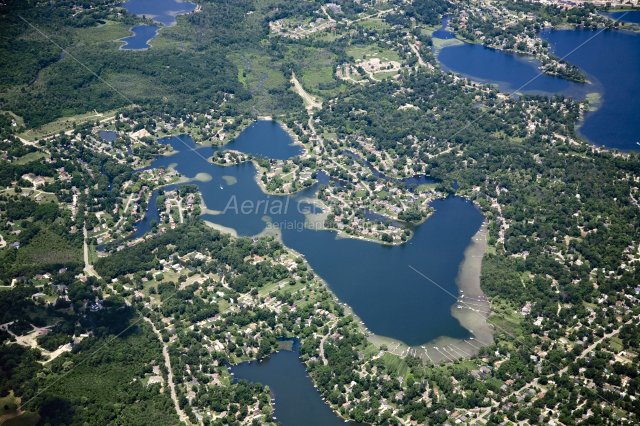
140, 38
297, 402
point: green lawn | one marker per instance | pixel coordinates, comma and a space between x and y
371, 51
25, 419
374, 23
46, 197
110, 31
383, 75
32, 156
10, 403
63, 124
315, 76
395, 364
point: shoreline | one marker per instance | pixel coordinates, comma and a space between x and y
468, 283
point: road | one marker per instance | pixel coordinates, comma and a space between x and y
324, 360
87, 267
309, 100
314, 133
331, 20
378, 14
167, 362
420, 61
180, 211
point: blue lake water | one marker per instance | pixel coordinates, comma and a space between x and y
442, 32
108, 135
262, 138
163, 11
511, 72
141, 35
632, 16
613, 58
375, 280
152, 213
297, 402
609, 58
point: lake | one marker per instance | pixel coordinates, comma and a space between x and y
613, 58
609, 59
297, 402
373, 279
108, 135
163, 11
632, 16
141, 35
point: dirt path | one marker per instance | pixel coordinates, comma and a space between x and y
308, 99
180, 211
167, 363
331, 20
87, 267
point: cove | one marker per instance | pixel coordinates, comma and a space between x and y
511, 72
163, 11
373, 279
613, 58
141, 35
267, 139
297, 402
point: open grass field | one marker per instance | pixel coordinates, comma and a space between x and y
109, 31
47, 247
7, 405
383, 75
275, 286
616, 343
315, 76
64, 124
469, 364
25, 419
32, 156
395, 364
260, 63
371, 350
374, 23
507, 321
363, 53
